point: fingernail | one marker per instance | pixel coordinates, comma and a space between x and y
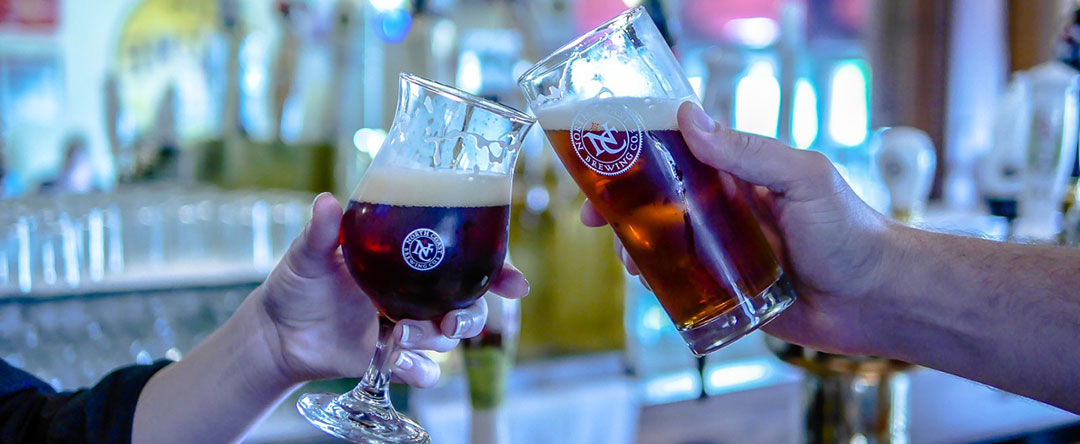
643, 283
403, 362
525, 288
406, 331
464, 321
702, 121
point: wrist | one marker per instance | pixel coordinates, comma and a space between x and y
896, 288
218, 390
267, 358
922, 316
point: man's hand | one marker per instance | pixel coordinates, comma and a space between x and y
832, 245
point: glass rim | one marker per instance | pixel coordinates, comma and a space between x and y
562, 55
469, 99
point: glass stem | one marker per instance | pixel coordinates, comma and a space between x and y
373, 387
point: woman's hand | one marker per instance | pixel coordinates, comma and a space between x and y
318, 324
307, 321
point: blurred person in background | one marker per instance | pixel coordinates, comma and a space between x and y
1001, 314
76, 175
307, 321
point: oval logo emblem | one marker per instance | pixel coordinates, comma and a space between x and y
423, 249
607, 138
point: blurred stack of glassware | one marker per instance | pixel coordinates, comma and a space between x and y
139, 236
73, 342
95, 281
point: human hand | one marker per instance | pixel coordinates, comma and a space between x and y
834, 247
318, 324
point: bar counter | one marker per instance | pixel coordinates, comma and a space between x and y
590, 399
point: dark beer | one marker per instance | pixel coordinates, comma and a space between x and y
689, 228
422, 249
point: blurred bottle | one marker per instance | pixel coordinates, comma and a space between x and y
791, 48
296, 149
122, 156
1068, 52
488, 360
577, 289
577, 282
300, 152
1001, 168
725, 64
217, 159
1051, 151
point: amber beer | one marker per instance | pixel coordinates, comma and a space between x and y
421, 244
688, 227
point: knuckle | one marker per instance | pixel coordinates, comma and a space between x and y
818, 163
822, 175
430, 374
745, 145
445, 345
740, 139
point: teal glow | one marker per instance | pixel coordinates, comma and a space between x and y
849, 106
804, 122
757, 100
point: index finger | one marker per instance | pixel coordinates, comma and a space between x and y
590, 217
510, 283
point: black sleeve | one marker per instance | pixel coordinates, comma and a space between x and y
32, 412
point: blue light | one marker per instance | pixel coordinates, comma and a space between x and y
393, 25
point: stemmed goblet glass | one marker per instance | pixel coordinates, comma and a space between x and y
424, 233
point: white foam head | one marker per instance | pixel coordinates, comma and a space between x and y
432, 188
655, 113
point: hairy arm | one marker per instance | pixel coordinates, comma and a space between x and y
1002, 314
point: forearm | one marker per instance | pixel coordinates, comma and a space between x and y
1002, 314
218, 391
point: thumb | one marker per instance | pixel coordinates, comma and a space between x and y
311, 254
796, 174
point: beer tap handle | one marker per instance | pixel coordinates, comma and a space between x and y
285, 63
702, 362
906, 160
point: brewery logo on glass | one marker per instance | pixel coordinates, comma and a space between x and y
423, 249
607, 138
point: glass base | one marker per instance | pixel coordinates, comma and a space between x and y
740, 320
364, 421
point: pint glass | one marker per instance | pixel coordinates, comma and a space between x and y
608, 103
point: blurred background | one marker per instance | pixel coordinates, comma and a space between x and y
158, 156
